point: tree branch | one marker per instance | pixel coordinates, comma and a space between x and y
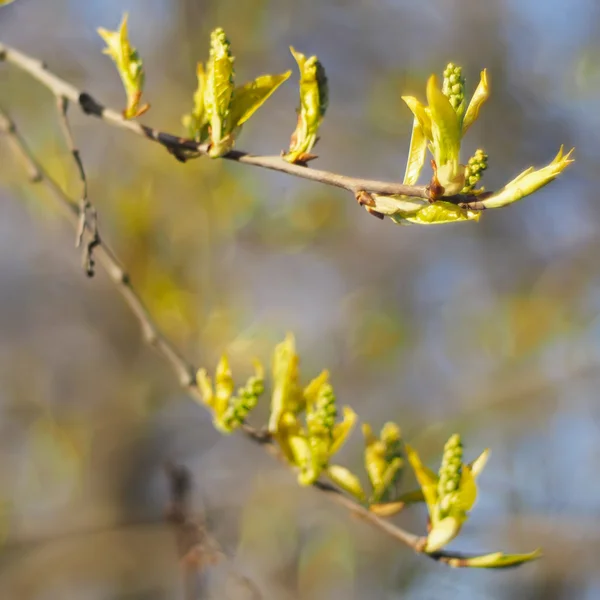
152, 334
181, 148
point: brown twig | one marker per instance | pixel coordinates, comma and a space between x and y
86, 208
161, 343
105, 255
182, 147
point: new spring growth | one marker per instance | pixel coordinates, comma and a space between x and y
219, 107
309, 443
314, 97
453, 87
129, 66
439, 127
229, 412
245, 400
477, 164
383, 461
529, 181
450, 494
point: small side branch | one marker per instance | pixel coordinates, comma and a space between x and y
88, 217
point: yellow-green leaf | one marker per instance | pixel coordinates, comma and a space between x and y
481, 94
426, 478
314, 97
387, 509
401, 206
224, 387
342, 430
421, 113
387, 479
311, 391
205, 386
529, 181
129, 66
437, 213
291, 439
498, 560
416, 154
218, 91
445, 125
442, 533
248, 98
464, 498
197, 121
286, 393
479, 463
346, 480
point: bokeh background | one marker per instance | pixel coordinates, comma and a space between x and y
487, 329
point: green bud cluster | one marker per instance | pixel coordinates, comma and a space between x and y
450, 472
241, 405
477, 164
454, 87
220, 47
321, 420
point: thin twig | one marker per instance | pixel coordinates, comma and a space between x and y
183, 147
86, 209
105, 255
180, 366
196, 549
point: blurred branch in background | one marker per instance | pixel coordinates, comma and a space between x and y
196, 547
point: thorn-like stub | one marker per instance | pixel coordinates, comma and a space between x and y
375, 213
187, 379
365, 199
150, 335
435, 189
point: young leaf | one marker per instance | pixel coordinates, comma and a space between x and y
129, 66
218, 92
314, 97
426, 478
311, 391
445, 128
197, 121
346, 480
286, 391
497, 560
342, 430
248, 98
205, 386
421, 113
529, 181
438, 213
416, 154
387, 509
442, 532
481, 94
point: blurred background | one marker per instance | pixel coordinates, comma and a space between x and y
489, 329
